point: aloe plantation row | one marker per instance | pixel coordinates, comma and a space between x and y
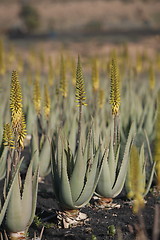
93, 123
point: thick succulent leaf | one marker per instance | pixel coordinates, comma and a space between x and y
34, 195
55, 172
31, 118
111, 164
45, 159
27, 195
9, 192
14, 214
78, 175
20, 213
91, 181
53, 118
3, 163
59, 154
117, 157
124, 165
149, 149
88, 146
143, 117
96, 132
104, 186
35, 149
65, 195
150, 180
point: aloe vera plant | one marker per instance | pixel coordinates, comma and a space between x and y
7, 190
75, 177
22, 204
20, 200
110, 183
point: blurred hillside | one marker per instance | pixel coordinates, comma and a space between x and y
86, 16
84, 26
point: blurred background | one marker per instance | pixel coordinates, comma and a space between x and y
85, 26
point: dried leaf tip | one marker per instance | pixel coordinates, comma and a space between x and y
80, 93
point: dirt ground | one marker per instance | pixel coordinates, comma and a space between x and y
119, 214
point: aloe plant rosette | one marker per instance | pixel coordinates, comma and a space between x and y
20, 201
75, 178
22, 204
114, 173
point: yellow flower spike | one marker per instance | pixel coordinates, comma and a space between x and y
115, 90
139, 63
73, 70
95, 75
15, 101
135, 182
158, 61
37, 96
151, 77
8, 135
17, 117
80, 93
47, 102
63, 80
22, 132
80, 97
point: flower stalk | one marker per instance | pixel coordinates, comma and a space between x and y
115, 96
80, 96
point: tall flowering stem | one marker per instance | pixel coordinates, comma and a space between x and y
95, 81
80, 95
37, 100
63, 80
47, 103
37, 95
17, 117
63, 88
115, 95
